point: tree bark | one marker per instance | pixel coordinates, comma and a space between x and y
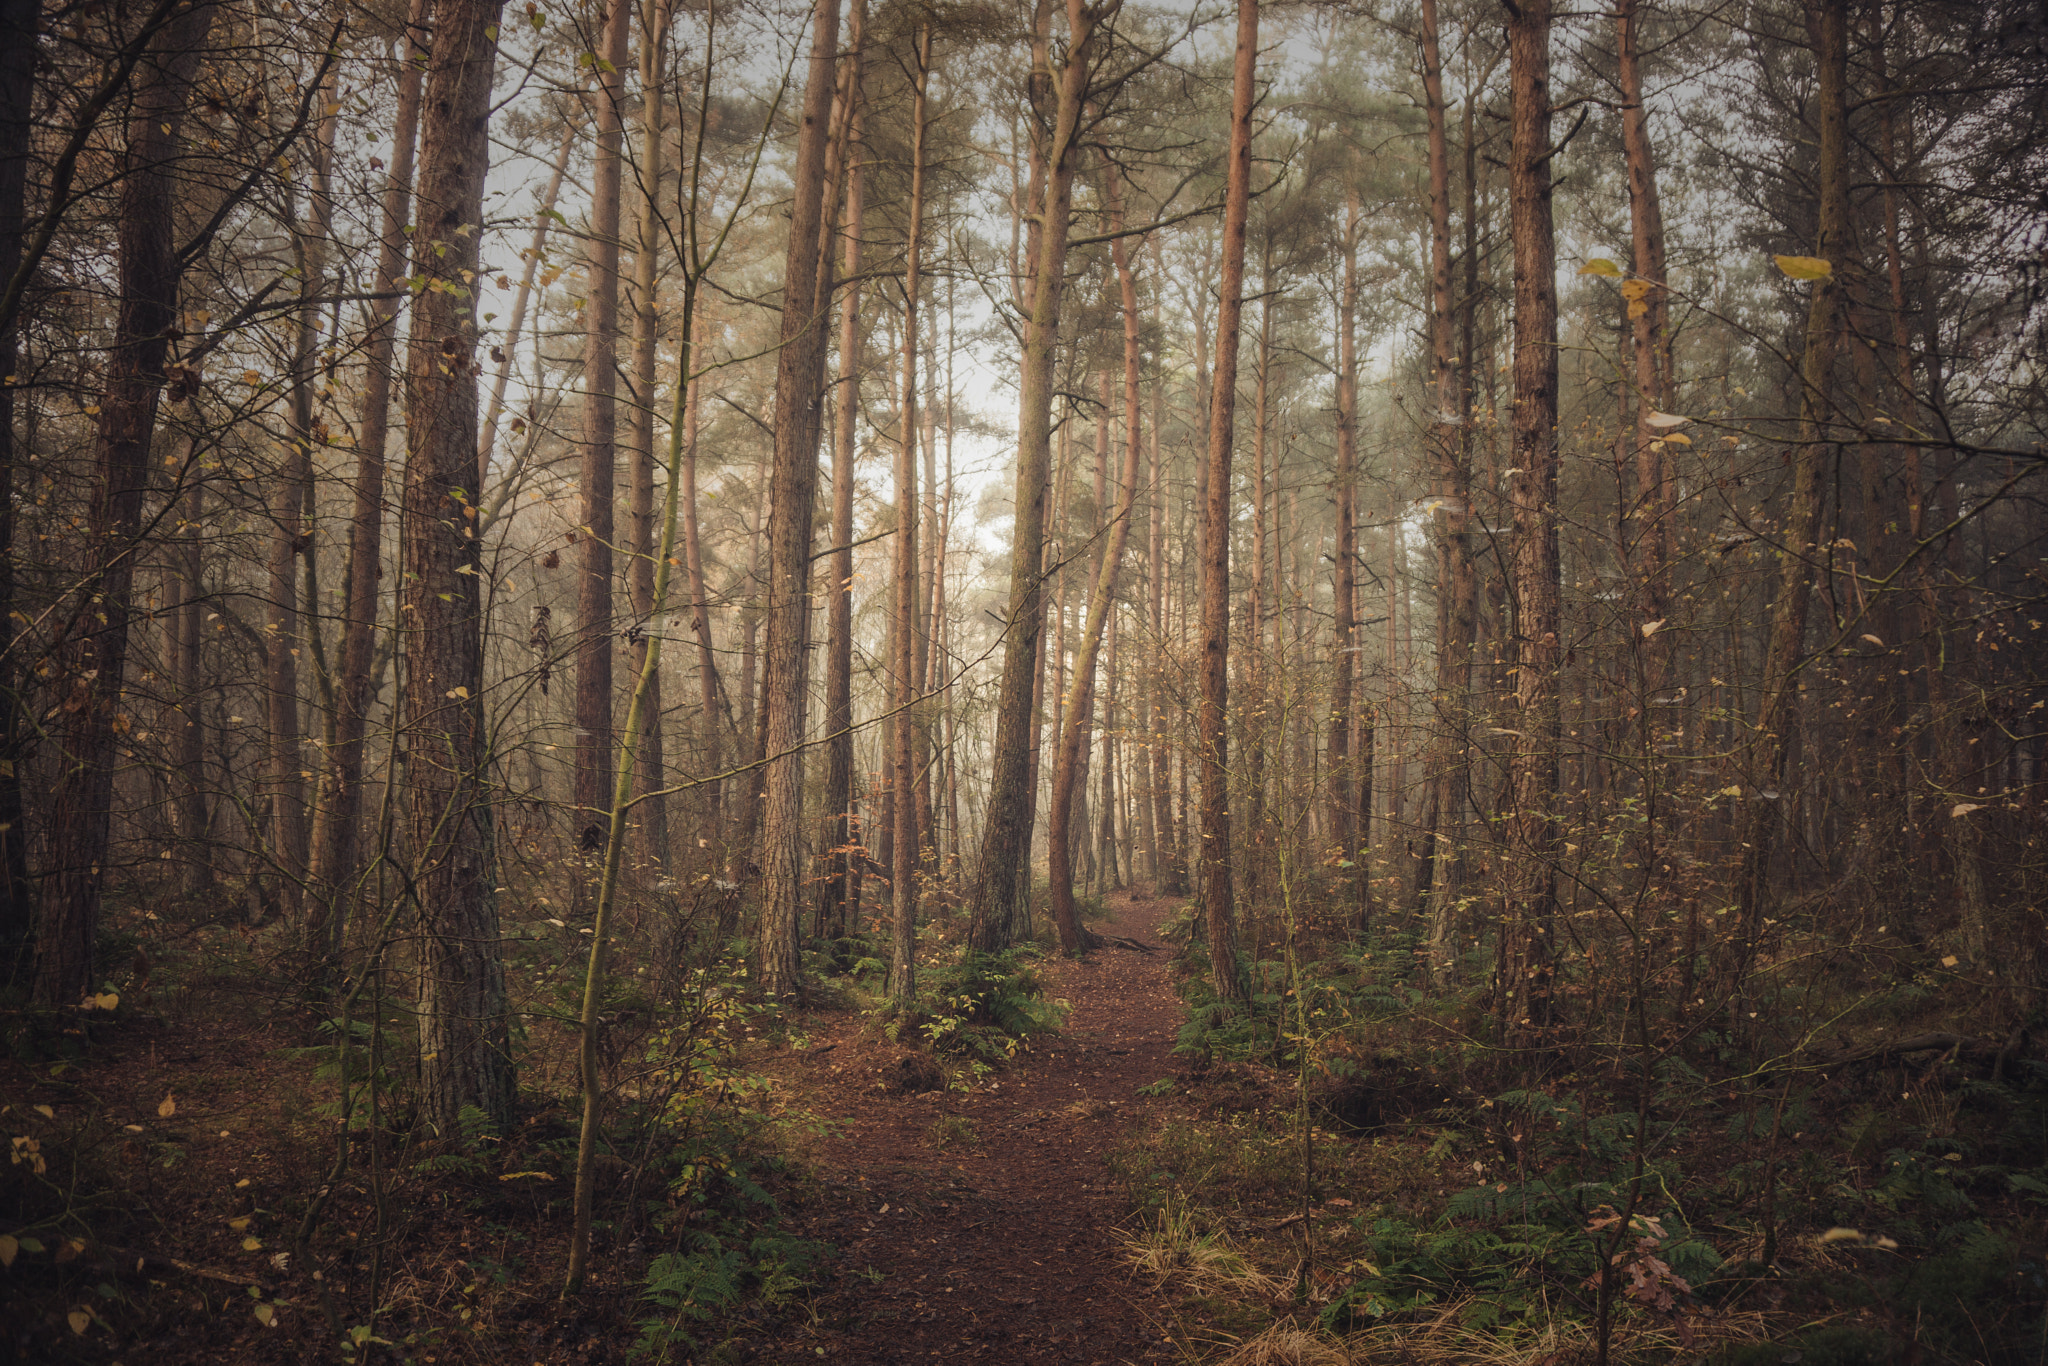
903, 693
93, 650
1445, 769
1079, 706
710, 755
793, 489
838, 895
339, 832
1344, 641
1525, 953
20, 25
1778, 708
1006, 830
591, 791
1212, 742
465, 1045
1648, 311
650, 769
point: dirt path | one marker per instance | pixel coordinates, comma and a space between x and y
1003, 1248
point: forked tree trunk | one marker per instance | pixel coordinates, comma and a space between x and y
1079, 706
1006, 830
93, 650
1212, 742
465, 1043
338, 836
793, 491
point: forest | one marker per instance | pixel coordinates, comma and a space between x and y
1203, 681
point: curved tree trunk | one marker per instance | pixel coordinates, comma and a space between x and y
1079, 706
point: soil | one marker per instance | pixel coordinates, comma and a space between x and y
976, 1221
1003, 1247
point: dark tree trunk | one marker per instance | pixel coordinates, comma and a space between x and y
1523, 975
465, 1046
838, 894
336, 856
93, 650
20, 22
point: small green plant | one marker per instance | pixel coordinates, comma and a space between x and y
952, 1131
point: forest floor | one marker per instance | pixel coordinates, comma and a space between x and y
983, 1224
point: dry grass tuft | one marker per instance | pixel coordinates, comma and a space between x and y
1170, 1249
1286, 1344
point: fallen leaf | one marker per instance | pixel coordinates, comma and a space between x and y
9, 1250
169, 1107
1650, 628
79, 1321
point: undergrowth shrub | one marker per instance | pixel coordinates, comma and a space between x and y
978, 1006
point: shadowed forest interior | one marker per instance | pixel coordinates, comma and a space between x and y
1371, 670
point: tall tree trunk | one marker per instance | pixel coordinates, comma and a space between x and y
194, 814
839, 892
1169, 873
338, 835
650, 769
591, 792
1525, 966
20, 24
465, 1044
292, 538
1445, 769
1006, 831
1344, 639
93, 651
1648, 310
1079, 706
712, 719
793, 490
1213, 740
1778, 709
903, 692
